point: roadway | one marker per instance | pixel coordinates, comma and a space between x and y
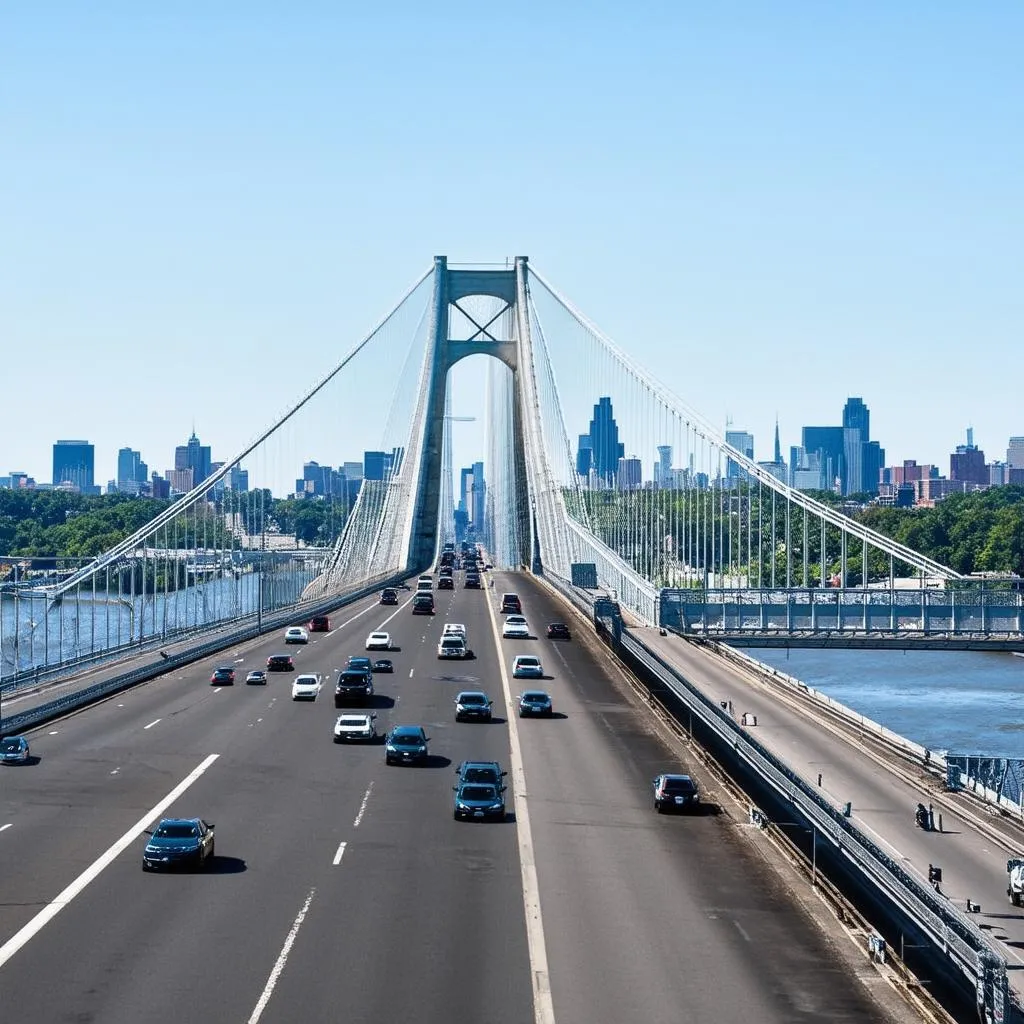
882, 790
343, 889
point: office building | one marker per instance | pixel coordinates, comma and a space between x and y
663, 466
377, 465
132, 472
478, 496
827, 444
584, 456
74, 465
606, 449
159, 487
194, 457
1015, 453
743, 442
629, 473
967, 462
997, 474
238, 479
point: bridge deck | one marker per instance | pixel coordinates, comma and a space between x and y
975, 842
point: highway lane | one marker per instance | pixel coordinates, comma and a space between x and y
283, 804
883, 804
645, 918
649, 911
99, 770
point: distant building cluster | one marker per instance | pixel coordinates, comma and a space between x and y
842, 458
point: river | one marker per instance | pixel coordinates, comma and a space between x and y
957, 702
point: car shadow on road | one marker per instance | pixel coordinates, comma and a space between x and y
30, 760
226, 865
437, 761
551, 717
379, 702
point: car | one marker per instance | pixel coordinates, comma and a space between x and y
478, 801
257, 675
675, 793
355, 728
452, 647
305, 687
426, 578
383, 665
296, 635
423, 604
473, 704
535, 702
179, 843
406, 744
472, 581
558, 631
353, 685
280, 663
446, 583
454, 629
319, 624
223, 676
515, 627
527, 666
14, 750
378, 642
481, 771
389, 596
511, 603
358, 661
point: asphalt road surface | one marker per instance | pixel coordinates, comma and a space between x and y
343, 890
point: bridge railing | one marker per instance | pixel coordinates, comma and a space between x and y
948, 612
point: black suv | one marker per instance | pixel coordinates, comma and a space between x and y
280, 663
423, 604
354, 686
389, 596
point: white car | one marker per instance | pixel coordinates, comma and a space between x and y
451, 646
515, 626
296, 635
353, 727
527, 666
378, 642
305, 687
454, 629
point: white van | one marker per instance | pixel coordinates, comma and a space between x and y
425, 586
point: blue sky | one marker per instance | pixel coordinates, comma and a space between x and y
773, 206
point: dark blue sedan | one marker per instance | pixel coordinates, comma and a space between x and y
535, 702
479, 801
179, 843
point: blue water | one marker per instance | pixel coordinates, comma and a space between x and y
960, 702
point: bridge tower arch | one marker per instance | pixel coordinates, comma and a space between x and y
509, 286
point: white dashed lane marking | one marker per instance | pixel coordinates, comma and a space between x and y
362, 806
4, 828
151, 724
339, 854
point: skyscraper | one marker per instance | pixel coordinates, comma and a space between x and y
584, 455
1015, 453
663, 466
743, 442
857, 416
132, 472
478, 496
74, 464
604, 441
194, 456
827, 443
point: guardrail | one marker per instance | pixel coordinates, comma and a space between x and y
98, 691
946, 927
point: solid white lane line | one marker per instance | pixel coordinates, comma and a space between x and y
4, 828
362, 806
282, 959
543, 1005
92, 872
339, 854
151, 724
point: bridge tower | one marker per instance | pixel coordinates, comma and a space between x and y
509, 286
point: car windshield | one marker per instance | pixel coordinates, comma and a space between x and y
477, 793
472, 698
176, 832
515, 620
478, 775
535, 698
678, 786
527, 659
406, 741
353, 720
10, 745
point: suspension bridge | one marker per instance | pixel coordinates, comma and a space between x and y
655, 509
